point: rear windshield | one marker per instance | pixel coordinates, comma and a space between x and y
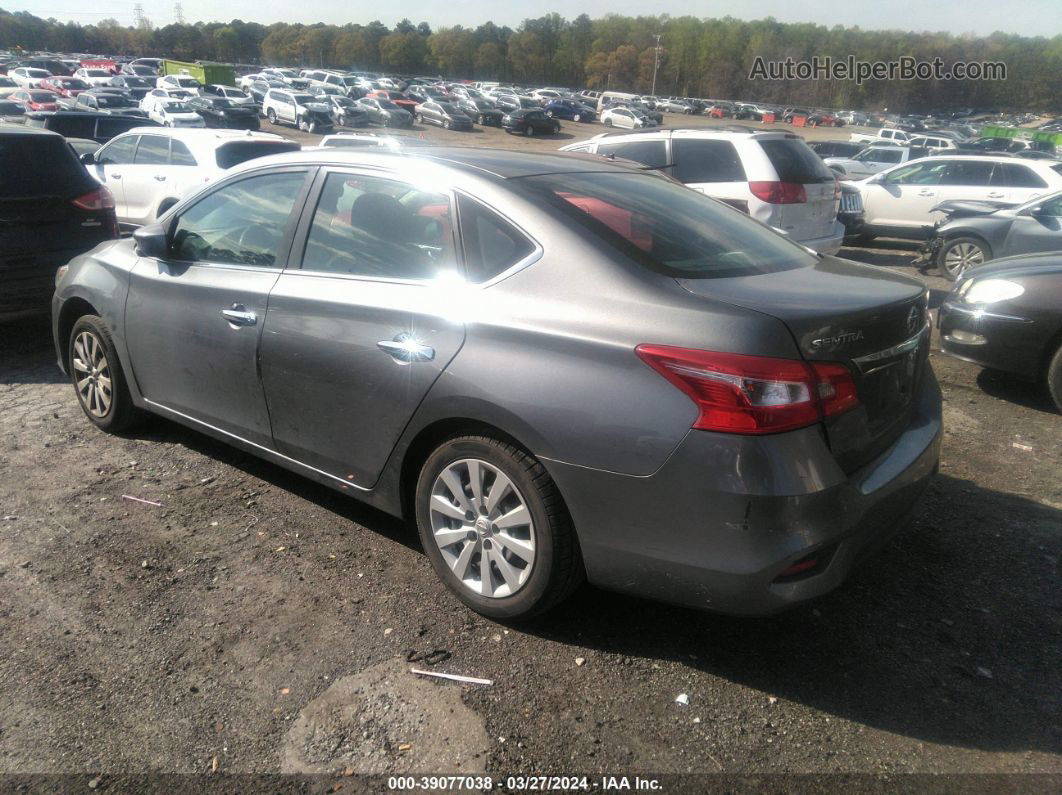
667, 227
237, 152
39, 165
795, 162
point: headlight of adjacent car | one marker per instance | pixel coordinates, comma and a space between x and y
989, 291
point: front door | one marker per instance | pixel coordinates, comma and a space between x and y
112, 163
902, 199
194, 319
355, 339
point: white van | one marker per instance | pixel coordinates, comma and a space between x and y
772, 176
607, 96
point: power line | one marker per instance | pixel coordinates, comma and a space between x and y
138, 15
178, 14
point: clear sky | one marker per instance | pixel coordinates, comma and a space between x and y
1027, 17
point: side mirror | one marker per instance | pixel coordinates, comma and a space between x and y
151, 241
88, 158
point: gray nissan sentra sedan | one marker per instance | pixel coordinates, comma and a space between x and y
558, 367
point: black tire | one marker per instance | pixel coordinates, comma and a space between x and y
121, 413
557, 570
272, 116
556, 129
953, 271
607, 122
1054, 379
529, 130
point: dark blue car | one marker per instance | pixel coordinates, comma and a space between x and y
570, 110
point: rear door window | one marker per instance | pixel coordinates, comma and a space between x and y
652, 153
968, 172
794, 161
701, 160
491, 244
154, 150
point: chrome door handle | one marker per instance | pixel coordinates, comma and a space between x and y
927, 193
404, 348
995, 195
160, 177
116, 176
238, 315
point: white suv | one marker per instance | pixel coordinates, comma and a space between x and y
899, 202
149, 169
773, 176
299, 108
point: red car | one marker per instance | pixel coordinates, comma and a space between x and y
36, 99
397, 97
100, 63
64, 86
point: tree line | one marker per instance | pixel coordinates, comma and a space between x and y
690, 56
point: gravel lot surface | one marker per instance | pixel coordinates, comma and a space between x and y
257, 622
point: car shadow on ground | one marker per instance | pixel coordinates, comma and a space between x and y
1014, 389
27, 355
950, 635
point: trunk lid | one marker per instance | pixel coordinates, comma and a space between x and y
873, 321
794, 161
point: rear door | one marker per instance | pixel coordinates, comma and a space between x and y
195, 317
971, 179
356, 337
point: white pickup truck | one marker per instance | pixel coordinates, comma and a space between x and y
885, 134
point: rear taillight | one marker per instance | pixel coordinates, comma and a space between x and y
779, 192
737, 393
99, 199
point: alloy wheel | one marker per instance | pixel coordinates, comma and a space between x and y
93, 374
962, 256
483, 528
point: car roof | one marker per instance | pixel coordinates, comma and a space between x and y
18, 130
204, 137
499, 163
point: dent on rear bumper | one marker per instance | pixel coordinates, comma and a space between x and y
726, 514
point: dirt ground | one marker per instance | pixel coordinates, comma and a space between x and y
257, 622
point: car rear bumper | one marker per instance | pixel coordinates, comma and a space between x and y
991, 338
830, 244
719, 522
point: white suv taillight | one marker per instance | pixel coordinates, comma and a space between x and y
779, 192
737, 393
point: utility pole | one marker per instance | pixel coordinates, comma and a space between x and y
178, 14
138, 15
656, 63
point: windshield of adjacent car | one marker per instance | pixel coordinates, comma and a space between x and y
668, 227
97, 73
42, 96
176, 107
388, 104
302, 99
32, 165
